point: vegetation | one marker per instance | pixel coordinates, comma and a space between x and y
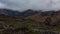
29, 25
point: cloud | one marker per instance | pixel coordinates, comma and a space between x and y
2, 5
30, 4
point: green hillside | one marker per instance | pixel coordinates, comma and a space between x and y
18, 25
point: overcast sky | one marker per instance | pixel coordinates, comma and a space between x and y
30, 4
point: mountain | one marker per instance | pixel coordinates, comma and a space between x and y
9, 12
29, 12
31, 23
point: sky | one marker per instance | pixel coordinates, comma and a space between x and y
30, 4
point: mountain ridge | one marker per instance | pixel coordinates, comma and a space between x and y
28, 12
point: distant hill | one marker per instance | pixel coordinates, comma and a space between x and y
37, 16
32, 21
9, 12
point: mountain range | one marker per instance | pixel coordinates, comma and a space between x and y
9, 12
26, 13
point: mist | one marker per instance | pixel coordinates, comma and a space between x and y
22, 5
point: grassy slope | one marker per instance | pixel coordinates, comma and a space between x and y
52, 20
16, 22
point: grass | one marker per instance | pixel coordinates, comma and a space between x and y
19, 23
